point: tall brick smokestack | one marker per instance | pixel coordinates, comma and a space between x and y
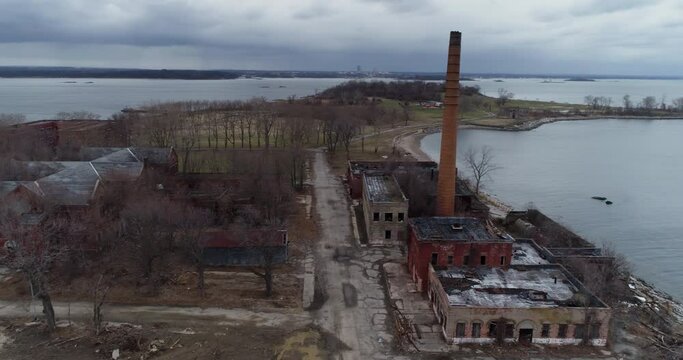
445, 188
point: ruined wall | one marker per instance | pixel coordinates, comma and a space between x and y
355, 184
420, 255
521, 318
375, 230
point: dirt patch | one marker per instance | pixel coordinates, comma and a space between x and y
77, 342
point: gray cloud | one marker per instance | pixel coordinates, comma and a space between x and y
582, 36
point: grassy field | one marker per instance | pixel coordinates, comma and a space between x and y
378, 142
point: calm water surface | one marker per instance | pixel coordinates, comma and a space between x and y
558, 167
43, 98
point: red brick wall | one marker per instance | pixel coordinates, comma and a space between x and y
355, 184
420, 255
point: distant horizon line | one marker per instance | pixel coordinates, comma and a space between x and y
361, 74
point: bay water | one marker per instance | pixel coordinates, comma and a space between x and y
558, 167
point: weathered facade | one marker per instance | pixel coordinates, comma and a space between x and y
453, 241
540, 304
385, 210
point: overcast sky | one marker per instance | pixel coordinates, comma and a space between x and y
630, 37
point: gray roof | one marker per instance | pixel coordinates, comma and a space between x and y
118, 156
452, 229
383, 188
118, 171
92, 153
155, 156
74, 183
7, 187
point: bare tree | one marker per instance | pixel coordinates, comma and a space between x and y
346, 128
147, 225
264, 241
297, 129
677, 104
648, 103
191, 228
264, 238
100, 291
406, 113
34, 250
481, 164
628, 103
504, 96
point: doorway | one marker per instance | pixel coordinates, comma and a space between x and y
526, 336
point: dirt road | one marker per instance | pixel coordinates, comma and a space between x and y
151, 314
350, 297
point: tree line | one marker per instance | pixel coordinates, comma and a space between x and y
357, 92
647, 104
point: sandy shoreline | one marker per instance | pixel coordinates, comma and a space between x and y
410, 142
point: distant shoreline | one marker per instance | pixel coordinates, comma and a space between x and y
224, 74
411, 141
533, 124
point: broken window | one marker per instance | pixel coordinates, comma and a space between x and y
375, 216
502, 260
466, 260
401, 217
387, 234
545, 330
460, 329
595, 331
388, 216
562, 331
509, 330
493, 329
482, 260
450, 259
476, 330
578, 331
435, 258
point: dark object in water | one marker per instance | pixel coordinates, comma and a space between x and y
608, 202
601, 198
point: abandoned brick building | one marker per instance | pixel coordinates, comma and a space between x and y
385, 209
483, 285
453, 241
541, 304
